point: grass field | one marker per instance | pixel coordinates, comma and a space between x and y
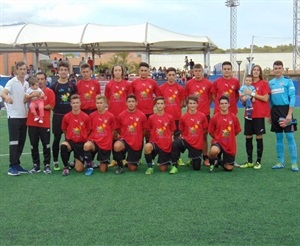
244, 207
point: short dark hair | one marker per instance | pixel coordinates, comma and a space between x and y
20, 64
226, 63
159, 98
85, 65
171, 69
224, 98
249, 76
198, 65
32, 80
63, 64
278, 63
144, 64
131, 96
42, 73
74, 96
193, 98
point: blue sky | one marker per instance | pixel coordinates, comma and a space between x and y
269, 21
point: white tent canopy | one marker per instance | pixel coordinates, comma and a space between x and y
98, 38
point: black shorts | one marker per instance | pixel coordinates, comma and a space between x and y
276, 113
103, 155
77, 148
193, 153
164, 158
256, 126
133, 156
227, 159
56, 124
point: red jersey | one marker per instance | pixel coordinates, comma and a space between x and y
226, 87
261, 109
174, 95
116, 93
88, 90
224, 128
76, 127
132, 125
201, 89
49, 99
144, 90
161, 129
102, 127
192, 128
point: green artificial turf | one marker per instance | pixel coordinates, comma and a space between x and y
243, 207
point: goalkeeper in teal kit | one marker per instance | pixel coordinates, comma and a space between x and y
282, 101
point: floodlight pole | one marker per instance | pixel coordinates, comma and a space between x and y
239, 70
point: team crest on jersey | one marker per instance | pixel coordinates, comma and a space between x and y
118, 94
76, 131
144, 93
160, 131
226, 131
193, 129
88, 95
65, 97
131, 128
101, 128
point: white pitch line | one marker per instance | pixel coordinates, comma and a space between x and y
22, 154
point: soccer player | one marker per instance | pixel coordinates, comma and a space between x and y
282, 99
88, 89
131, 125
256, 126
226, 86
193, 126
116, 91
223, 128
76, 125
144, 89
103, 125
13, 95
63, 90
161, 126
37, 131
201, 87
174, 96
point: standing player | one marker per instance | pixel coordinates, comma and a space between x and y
193, 126
161, 126
131, 125
256, 126
223, 128
174, 96
88, 89
103, 125
283, 101
13, 95
37, 131
144, 89
201, 87
76, 126
63, 90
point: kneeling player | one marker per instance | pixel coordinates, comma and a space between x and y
131, 125
193, 125
161, 127
103, 125
223, 128
76, 126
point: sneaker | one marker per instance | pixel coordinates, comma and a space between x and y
89, 171
36, 118
20, 169
248, 118
211, 168
125, 163
65, 172
257, 166
35, 169
113, 163
95, 165
236, 164
56, 166
206, 162
71, 165
174, 170
180, 162
47, 169
41, 121
120, 170
278, 166
13, 172
247, 165
149, 171
295, 167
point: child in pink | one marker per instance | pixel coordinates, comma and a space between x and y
35, 102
